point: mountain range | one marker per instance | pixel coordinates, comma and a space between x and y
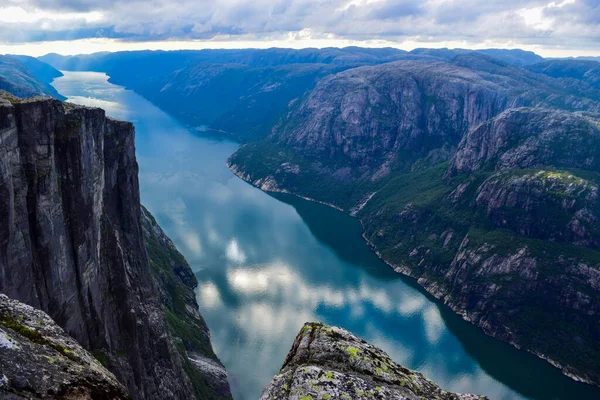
474, 172
97, 303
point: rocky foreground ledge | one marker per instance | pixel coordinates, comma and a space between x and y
38, 360
331, 363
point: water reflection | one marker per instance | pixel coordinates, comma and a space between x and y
267, 264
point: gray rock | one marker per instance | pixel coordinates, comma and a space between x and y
531, 138
377, 117
552, 205
71, 240
38, 360
331, 363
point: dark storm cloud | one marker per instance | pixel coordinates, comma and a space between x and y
542, 22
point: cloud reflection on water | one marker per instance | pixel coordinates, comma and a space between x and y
265, 267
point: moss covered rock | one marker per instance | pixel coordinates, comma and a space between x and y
331, 363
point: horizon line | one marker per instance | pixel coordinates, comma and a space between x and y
102, 45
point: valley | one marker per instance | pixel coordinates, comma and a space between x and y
246, 249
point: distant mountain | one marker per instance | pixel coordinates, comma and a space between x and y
516, 57
240, 92
240, 100
26, 76
467, 177
587, 71
42, 71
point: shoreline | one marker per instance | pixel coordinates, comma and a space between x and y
269, 184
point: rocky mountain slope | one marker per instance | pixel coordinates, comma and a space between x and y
72, 244
570, 70
237, 100
38, 360
27, 76
242, 93
515, 57
45, 73
331, 363
492, 208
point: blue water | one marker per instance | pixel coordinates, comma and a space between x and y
267, 264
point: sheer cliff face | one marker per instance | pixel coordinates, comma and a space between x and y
71, 240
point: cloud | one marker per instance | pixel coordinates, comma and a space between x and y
567, 23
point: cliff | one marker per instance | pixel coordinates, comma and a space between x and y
365, 122
495, 215
331, 363
72, 245
39, 360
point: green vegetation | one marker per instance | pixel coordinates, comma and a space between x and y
34, 336
100, 355
172, 271
418, 219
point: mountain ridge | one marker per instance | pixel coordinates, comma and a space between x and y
461, 235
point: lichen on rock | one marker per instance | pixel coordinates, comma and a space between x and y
38, 360
330, 363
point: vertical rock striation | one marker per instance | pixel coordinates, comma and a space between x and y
71, 240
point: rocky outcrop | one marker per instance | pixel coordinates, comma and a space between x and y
38, 360
530, 138
72, 244
331, 363
546, 205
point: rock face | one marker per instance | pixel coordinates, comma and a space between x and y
530, 138
176, 283
493, 209
375, 118
72, 243
547, 205
331, 363
38, 360
372, 116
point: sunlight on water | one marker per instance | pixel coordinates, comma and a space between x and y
267, 264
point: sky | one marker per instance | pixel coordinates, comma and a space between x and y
558, 28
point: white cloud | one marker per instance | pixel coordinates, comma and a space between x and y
209, 296
13, 14
234, 253
550, 27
